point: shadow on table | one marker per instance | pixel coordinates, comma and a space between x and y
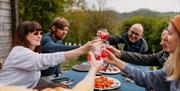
42, 84
116, 89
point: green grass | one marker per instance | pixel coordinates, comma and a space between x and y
67, 65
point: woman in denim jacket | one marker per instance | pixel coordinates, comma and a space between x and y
165, 79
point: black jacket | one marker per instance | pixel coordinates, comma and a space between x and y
138, 47
156, 59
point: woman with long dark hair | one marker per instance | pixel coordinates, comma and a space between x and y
22, 66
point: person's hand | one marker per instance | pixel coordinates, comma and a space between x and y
86, 47
111, 58
15, 88
103, 34
114, 51
90, 45
94, 63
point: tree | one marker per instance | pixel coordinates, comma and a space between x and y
42, 11
84, 23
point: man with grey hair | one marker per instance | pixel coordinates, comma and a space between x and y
133, 39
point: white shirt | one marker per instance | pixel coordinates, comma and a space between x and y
22, 66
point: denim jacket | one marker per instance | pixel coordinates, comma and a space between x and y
155, 80
49, 45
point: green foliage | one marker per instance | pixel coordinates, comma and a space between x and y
69, 64
77, 26
83, 58
84, 24
40, 10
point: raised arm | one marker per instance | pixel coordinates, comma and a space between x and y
137, 58
113, 40
141, 59
150, 80
49, 46
77, 52
28, 60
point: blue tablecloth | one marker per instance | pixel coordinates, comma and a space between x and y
125, 85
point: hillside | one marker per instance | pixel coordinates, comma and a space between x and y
145, 12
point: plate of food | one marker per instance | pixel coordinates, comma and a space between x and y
81, 67
110, 69
106, 83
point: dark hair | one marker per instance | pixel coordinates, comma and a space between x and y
60, 23
23, 30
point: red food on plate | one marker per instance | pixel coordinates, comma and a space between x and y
110, 69
103, 82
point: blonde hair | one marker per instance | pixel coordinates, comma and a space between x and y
173, 63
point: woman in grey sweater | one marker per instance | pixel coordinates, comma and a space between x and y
165, 79
22, 66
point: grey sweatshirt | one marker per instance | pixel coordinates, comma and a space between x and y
22, 66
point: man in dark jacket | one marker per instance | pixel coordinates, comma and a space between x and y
157, 59
53, 42
133, 40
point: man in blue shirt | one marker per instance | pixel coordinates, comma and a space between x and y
53, 42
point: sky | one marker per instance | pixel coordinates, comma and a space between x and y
132, 5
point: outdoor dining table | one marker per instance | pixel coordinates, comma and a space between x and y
77, 76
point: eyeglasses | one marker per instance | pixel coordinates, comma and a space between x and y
37, 33
134, 33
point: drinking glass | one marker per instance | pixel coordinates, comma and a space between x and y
103, 34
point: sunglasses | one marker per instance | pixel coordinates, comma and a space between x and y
134, 33
37, 33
